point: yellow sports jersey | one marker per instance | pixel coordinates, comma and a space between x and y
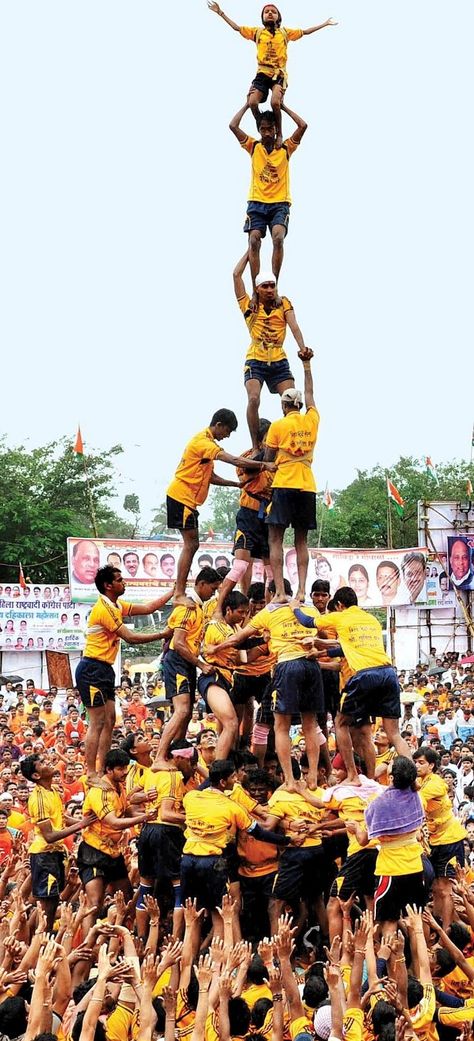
257, 487
169, 784
210, 819
422, 1016
270, 180
360, 636
242, 798
261, 665
105, 618
119, 1023
399, 856
353, 1024
135, 776
227, 660
44, 805
350, 808
457, 983
256, 858
208, 608
285, 631
294, 438
294, 807
100, 835
267, 329
455, 1017
443, 826
272, 48
256, 991
192, 620
384, 759
190, 485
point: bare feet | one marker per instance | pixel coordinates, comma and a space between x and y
280, 598
290, 786
353, 779
312, 781
181, 600
163, 764
301, 596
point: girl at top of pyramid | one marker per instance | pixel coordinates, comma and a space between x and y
272, 50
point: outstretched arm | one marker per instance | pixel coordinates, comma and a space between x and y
301, 125
295, 329
313, 28
218, 10
248, 464
152, 605
308, 385
234, 124
239, 284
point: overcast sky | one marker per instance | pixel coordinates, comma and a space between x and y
123, 196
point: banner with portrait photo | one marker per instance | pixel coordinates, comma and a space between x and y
380, 577
147, 566
41, 618
460, 564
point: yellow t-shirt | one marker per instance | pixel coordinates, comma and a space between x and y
270, 179
457, 983
399, 856
353, 1024
268, 330
385, 758
100, 835
294, 807
256, 858
211, 819
135, 777
351, 808
190, 485
272, 48
422, 1016
360, 636
443, 826
285, 631
294, 438
227, 660
454, 1017
209, 607
169, 785
105, 618
192, 620
118, 1024
242, 798
257, 488
44, 805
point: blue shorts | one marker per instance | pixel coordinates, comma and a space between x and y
252, 533
445, 857
203, 879
371, 693
47, 874
179, 676
297, 687
95, 681
263, 215
213, 679
272, 374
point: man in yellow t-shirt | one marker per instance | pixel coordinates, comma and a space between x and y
266, 360
446, 834
371, 686
269, 198
291, 442
47, 848
95, 676
190, 487
216, 687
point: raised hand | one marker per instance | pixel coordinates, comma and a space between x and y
227, 910
334, 953
151, 906
203, 971
191, 913
218, 953
169, 1000
213, 7
332, 975
265, 950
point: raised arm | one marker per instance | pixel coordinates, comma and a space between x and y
295, 329
152, 605
313, 28
218, 10
238, 272
234, 124
301, 125
308, 384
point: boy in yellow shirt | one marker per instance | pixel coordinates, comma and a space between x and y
446, 834
216, 687
272, 48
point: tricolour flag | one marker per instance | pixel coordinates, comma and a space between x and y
469, 488
396, 498
430, 468
328, 499
21, 578
79, 445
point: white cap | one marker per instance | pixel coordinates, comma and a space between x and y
292, 397
264, 276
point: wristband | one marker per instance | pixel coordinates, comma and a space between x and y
277, 997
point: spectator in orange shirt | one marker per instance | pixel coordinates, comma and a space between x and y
137, 708
74, 725
6, 837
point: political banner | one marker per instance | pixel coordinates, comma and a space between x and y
460, 563
40, 618
380, 577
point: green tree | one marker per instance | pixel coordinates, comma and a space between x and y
223, 504
131, 504
158, 524
46, 499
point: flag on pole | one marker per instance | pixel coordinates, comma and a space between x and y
21, 578
395, 497
469, 488
328, 499
430, 468
79, 445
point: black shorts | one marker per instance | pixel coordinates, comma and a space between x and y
256, 893
445, 857
246, 687
203, 879
160, 847
394, 892
265, 715
265, 84
95, 681
370, 693
300, 873
93, 863
213, 679
179, 676
297, 687
356, 875
251, 533
47, 874
331, 691
291, 508
231, 858
180, 516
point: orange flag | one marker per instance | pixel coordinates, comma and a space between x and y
79, 446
